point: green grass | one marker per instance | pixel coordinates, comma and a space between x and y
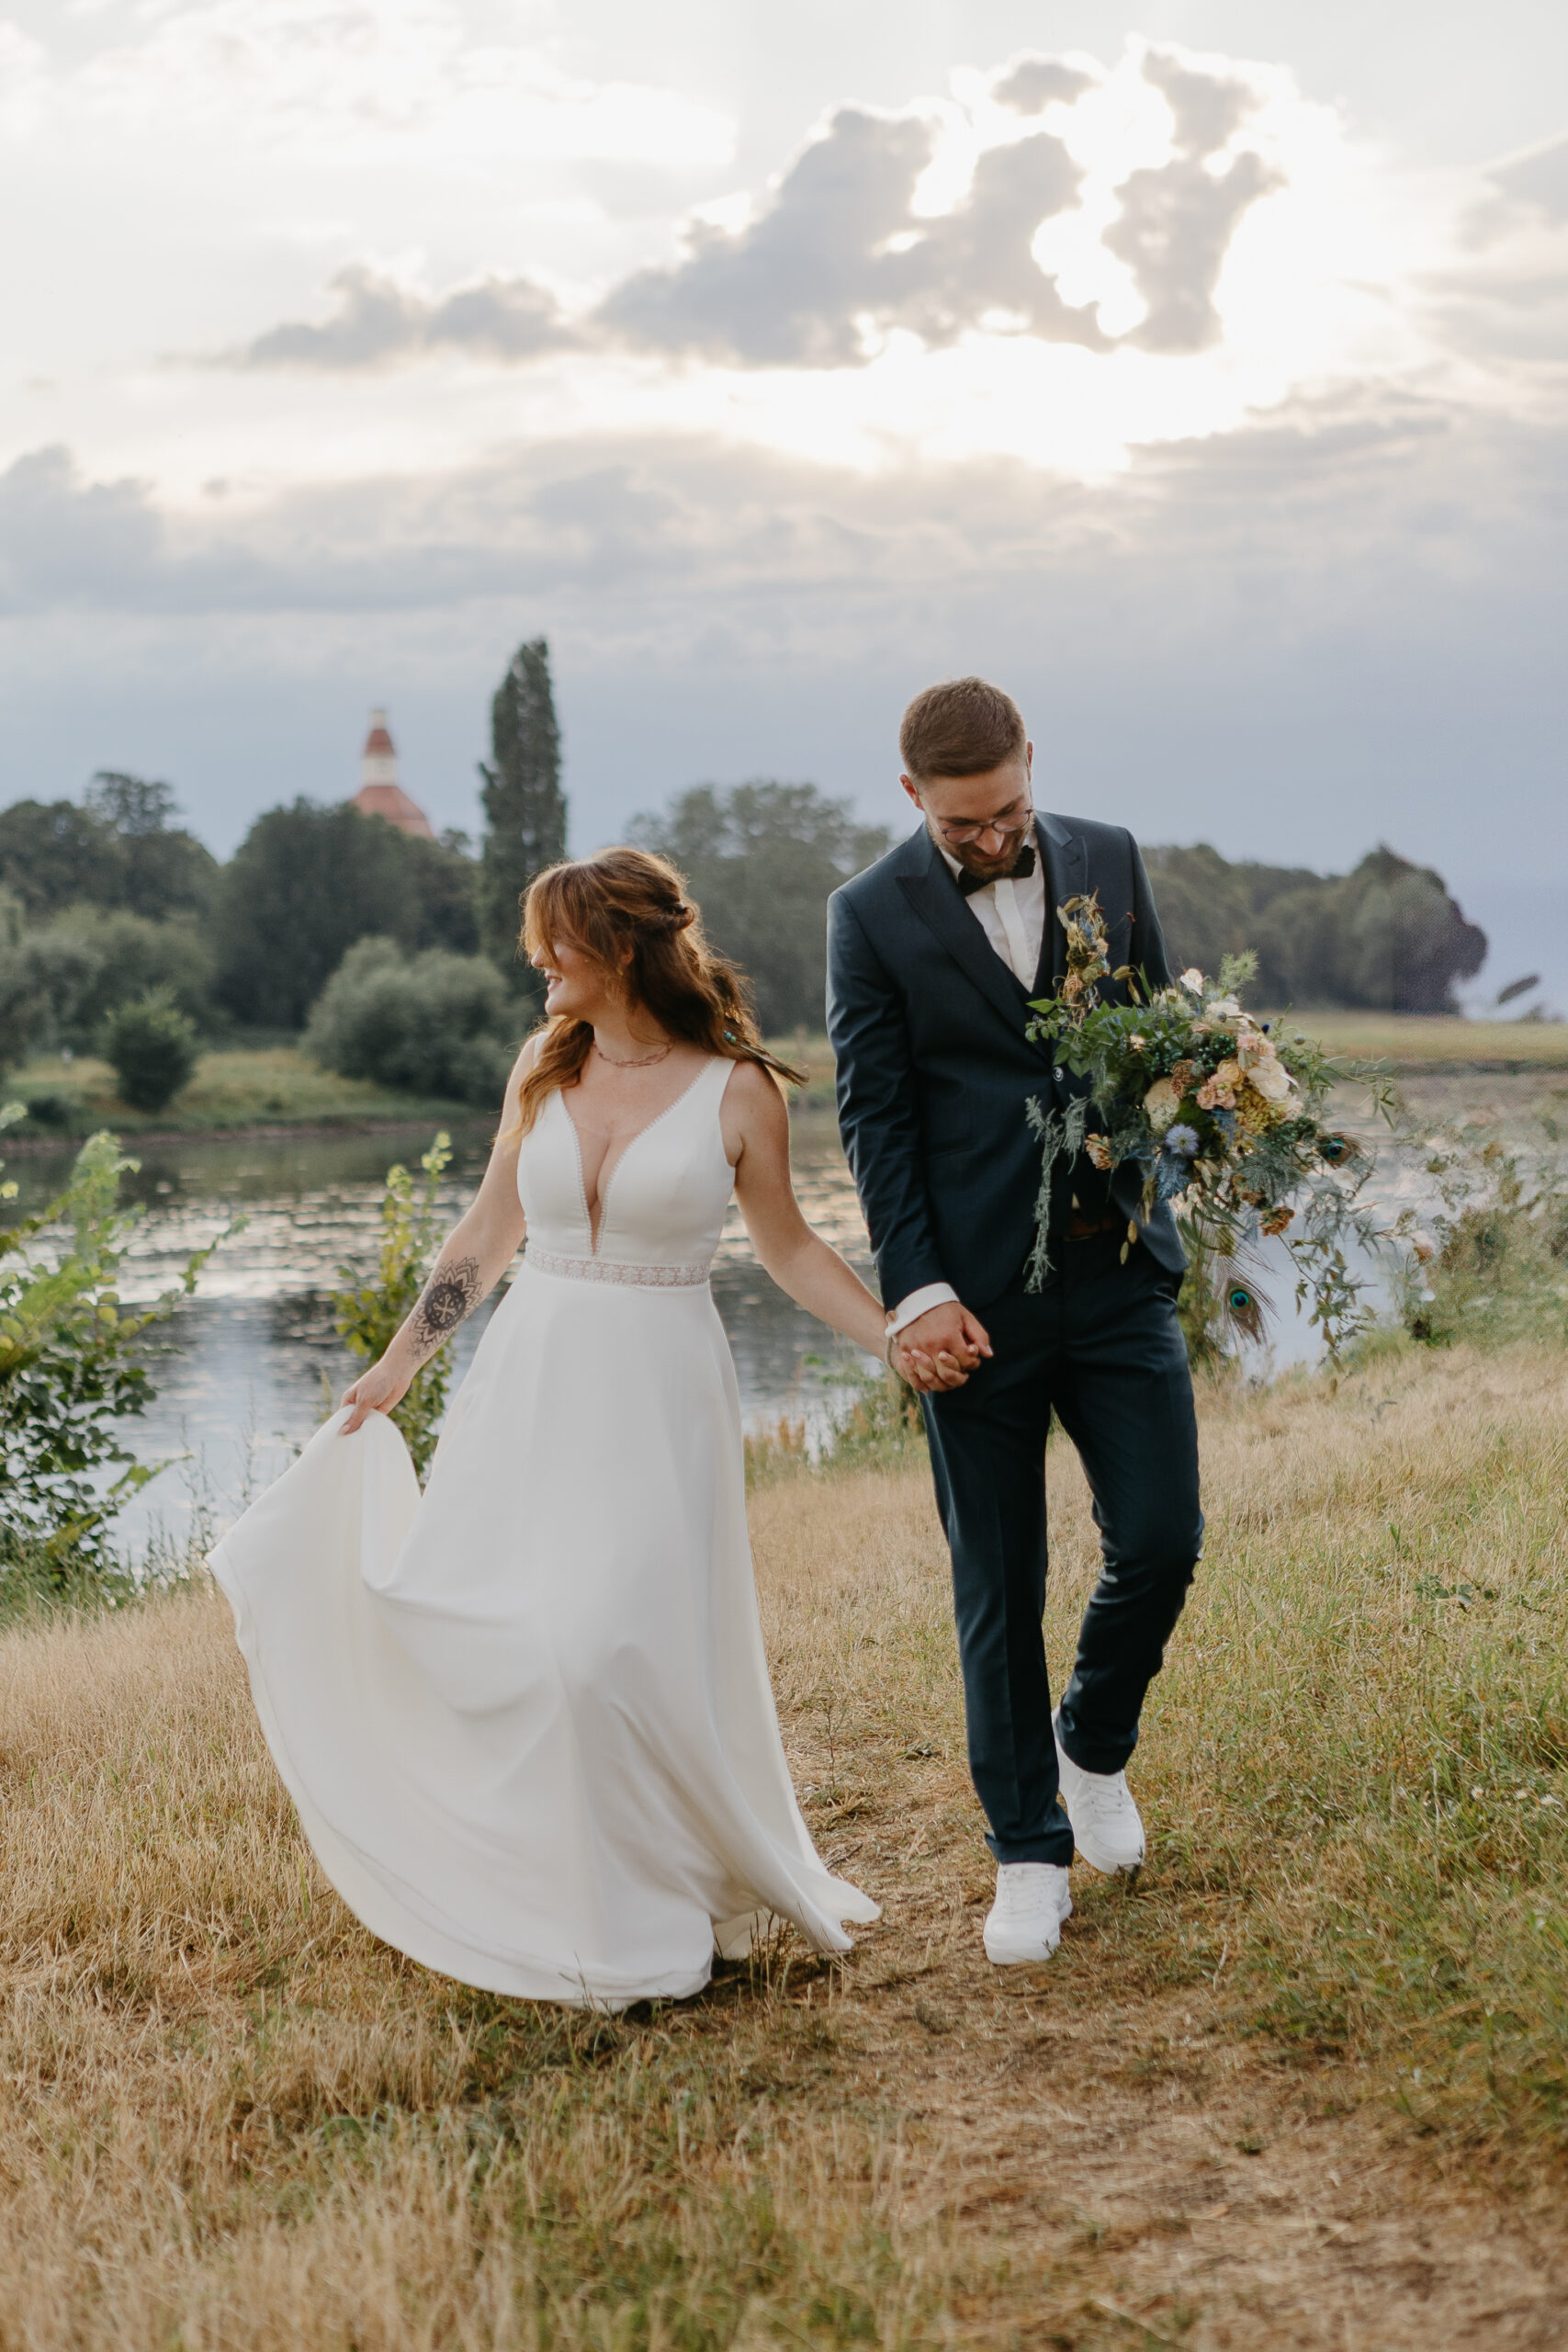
273, 1087
1407, 1042
1411, 1042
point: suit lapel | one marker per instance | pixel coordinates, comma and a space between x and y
936, 899
1066, 873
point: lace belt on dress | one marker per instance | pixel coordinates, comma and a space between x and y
613, 1270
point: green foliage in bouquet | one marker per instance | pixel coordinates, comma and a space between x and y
369, 1315
71, 1362
1224, 1117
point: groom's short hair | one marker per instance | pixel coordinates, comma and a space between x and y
964, 727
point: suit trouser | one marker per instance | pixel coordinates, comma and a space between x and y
1101, 1345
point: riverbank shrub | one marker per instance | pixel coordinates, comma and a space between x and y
369, 1313
151, 1047
435, 1024
71, 1368
61, 980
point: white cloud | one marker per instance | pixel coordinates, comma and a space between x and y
356, 81
377, 321
1110, 222
841, 257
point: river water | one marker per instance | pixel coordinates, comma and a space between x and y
245, 1369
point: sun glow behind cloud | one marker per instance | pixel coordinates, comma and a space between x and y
1055, 260
1313, 289
350, 341
1205, 244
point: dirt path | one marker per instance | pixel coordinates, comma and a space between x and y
1141, 2164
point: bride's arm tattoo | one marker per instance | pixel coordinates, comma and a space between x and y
451, 1294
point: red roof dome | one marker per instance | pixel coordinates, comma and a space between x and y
380, 794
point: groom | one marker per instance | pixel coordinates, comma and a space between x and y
933, 957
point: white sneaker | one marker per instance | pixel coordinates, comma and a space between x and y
1108, 1828
1025, 1920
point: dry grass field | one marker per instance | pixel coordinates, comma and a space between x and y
1305, 2083
1413, 1042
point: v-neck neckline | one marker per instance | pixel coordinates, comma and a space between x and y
604, 1181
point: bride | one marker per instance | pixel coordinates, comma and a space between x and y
525, 1717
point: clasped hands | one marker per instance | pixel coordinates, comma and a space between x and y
941, 1348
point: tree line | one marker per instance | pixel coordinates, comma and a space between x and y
395, 958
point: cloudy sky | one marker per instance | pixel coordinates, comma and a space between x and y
1198, 372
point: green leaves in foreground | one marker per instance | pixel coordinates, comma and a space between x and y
369, 1315
71, 1362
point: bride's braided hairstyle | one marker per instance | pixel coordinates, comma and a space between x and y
628, 896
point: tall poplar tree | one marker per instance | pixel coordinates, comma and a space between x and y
523, 804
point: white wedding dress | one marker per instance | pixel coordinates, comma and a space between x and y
527, 1717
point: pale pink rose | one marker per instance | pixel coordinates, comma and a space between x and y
1272, 1080
1192, 979
1218, 1092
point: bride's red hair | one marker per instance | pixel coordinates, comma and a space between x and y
604, 903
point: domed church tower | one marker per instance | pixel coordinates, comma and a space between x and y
379, 792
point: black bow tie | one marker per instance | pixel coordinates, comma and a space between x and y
1022, 864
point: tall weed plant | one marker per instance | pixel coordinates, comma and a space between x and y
369, 1315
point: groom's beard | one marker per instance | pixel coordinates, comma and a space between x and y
989, 869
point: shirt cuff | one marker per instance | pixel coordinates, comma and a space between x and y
933, 1295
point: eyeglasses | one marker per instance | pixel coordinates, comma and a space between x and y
1011, 819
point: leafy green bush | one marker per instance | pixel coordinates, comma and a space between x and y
50, 1108
368, 1315
435, 1023
152, 1047
59, 981
70, 1366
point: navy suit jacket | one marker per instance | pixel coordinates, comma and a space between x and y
934, 1070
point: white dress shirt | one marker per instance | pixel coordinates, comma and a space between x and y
1013, 916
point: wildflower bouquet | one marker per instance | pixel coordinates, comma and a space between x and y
1224, 1116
